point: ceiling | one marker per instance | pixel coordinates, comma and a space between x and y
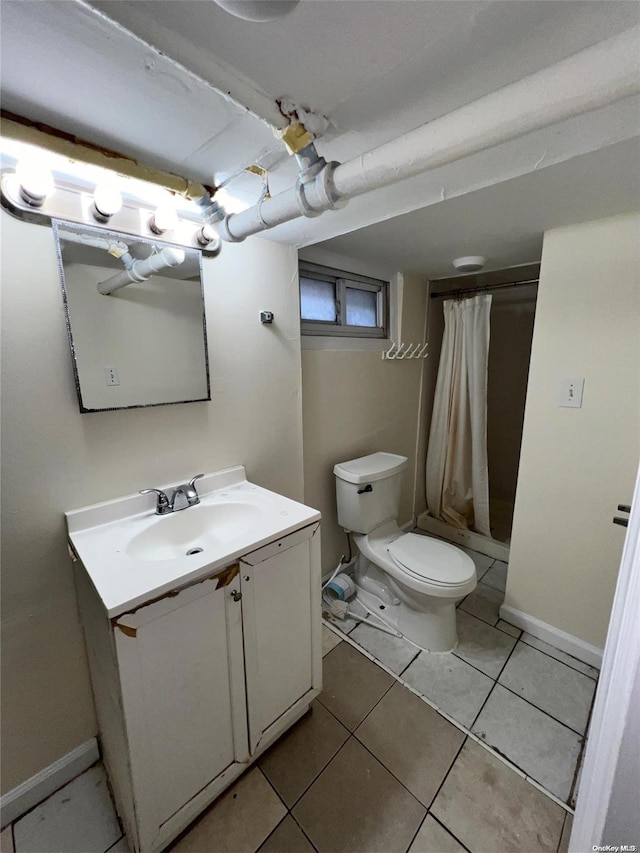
183, 85
504, 222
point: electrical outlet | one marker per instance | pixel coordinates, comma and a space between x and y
111, 376
570, 392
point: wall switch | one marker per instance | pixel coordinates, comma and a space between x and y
570, 392
111, 376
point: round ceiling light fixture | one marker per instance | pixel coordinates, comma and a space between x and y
258, 10
470, 263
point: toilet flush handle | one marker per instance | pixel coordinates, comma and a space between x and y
367, 488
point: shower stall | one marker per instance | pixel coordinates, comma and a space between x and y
501, 399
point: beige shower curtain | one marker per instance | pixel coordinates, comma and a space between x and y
457, 473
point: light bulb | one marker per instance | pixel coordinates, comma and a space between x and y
35, 179
164, 219
107, 201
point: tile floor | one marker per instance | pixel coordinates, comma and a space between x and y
374, 767
527, 700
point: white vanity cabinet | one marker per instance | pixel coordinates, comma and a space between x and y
191, 686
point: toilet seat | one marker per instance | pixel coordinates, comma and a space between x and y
431, 561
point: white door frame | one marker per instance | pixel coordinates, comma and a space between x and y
613, 711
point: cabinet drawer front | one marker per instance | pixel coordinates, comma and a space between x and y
274, 548
176, 688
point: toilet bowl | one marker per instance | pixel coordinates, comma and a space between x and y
413, 582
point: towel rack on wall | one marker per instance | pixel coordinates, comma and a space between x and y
406, 351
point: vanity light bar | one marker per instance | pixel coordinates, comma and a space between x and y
33, 192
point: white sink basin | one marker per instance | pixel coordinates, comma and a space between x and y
132, 555
196, 530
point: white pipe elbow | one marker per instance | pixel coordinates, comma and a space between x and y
141, 270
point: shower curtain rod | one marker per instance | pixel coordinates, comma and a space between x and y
483, 288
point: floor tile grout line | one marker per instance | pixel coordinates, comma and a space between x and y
293, 817
484, 621
538, 708
495, 681
565, 806
519, 630
444, 778
529, 702
413, 659
374, 706
273, 788
508, 658
464, 660
444, 826
289, 812
574, 782
351, 734
493, 624
563, 662
391, 773
264, 841
576, 773
561, 834
462, 728
320, 772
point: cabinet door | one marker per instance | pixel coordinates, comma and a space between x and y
181, 672
281, 615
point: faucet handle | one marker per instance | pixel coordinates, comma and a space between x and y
163, 505
193, 479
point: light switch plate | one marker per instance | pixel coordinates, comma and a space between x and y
111, 376
570, 392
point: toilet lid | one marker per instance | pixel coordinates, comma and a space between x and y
431, 559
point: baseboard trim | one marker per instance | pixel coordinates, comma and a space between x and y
466, 538
549, 634
15, 803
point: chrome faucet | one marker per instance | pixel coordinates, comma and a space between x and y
183, 497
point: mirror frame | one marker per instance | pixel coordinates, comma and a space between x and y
56, 225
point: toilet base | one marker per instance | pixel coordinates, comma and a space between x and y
428, 622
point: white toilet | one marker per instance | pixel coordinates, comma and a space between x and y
413, 582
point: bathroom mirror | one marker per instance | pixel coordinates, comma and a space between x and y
135, 319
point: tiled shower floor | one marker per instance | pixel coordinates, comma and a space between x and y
373, 767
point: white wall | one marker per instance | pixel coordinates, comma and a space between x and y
55, 459
354, 403
576, 465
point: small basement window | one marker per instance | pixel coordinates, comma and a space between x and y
335, 302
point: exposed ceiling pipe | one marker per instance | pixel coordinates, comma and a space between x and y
588, 80
117, 248
141, 270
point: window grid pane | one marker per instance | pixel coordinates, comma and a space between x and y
317, 300
362, 307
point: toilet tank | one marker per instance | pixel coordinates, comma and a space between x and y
368, 490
